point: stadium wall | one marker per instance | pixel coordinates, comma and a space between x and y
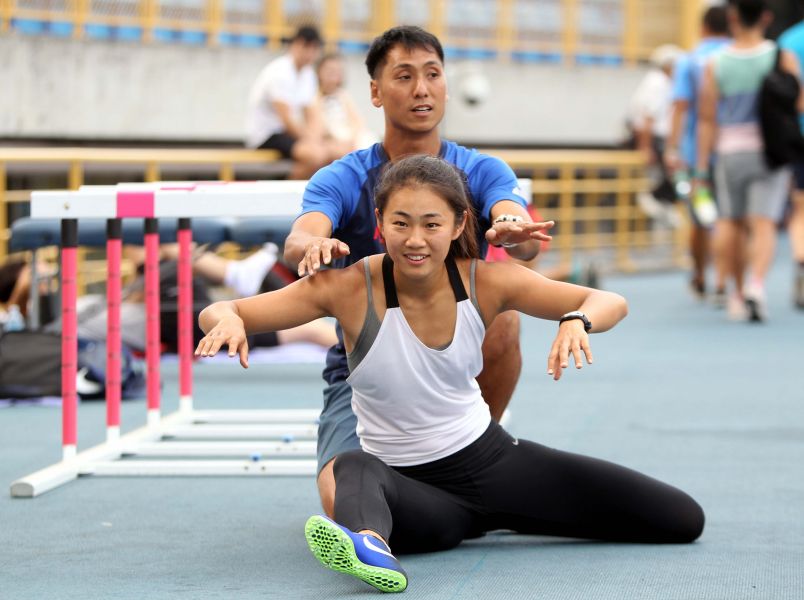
90, 90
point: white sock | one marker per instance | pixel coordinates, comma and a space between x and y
245, 276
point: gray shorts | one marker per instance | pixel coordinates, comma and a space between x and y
746, 187
337, 427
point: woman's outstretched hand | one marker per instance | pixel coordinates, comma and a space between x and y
572, 340
229, 331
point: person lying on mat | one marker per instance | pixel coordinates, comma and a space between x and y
434, 468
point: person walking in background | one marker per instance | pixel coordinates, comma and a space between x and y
751, 196
681, 149
282, 111
343, 124
792, 40
649, 125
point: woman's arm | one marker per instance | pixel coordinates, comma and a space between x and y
524, 290
504, 286
355, 120
229, 322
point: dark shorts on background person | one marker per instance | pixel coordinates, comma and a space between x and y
337, 426
798, 175
282, 142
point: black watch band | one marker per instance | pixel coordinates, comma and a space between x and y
587, 324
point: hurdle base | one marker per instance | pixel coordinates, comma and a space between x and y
251, 435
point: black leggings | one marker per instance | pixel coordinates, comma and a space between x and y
498, 482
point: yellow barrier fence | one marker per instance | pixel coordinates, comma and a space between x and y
568, 30
590, 194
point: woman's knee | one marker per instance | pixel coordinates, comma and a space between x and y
690, 520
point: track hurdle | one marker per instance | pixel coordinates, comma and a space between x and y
243, 438
188, 441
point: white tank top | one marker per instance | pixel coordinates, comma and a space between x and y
416, 404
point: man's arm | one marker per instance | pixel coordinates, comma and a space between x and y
313, 121
679, 118
495, 190
526, 235
683, 84
707, 121
283, 112
309, 244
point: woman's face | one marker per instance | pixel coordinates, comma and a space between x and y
330, 76
418, 226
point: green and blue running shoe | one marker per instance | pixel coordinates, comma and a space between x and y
361, 555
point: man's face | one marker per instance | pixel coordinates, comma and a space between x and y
411, 89
304, 53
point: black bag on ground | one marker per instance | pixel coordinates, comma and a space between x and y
30, 364
778, 117
30, 367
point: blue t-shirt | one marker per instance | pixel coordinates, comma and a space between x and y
344, 191
687, 79
793, 40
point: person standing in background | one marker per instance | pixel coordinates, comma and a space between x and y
342, 122
681, 147
649, 125
751, 196
792, 40
282, 111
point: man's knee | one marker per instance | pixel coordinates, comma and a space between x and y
502, 338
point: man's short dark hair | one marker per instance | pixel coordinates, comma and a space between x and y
715, 21
308, 34
408, 36
749, 12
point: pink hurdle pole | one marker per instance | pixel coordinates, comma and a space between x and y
69, 337
153, 342
114, 234
185, 315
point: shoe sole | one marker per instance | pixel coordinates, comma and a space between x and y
335, 550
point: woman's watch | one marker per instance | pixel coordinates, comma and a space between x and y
576, 314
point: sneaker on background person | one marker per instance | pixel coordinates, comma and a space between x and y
736, 309
798, 291
756, 302
720, 298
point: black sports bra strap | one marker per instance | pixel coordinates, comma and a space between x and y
455, 280
391, 301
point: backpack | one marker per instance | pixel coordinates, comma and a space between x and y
30, 364
778, 116
30, 367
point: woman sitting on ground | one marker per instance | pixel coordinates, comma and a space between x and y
434, 468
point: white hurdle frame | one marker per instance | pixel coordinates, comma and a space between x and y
244, 437
241, 437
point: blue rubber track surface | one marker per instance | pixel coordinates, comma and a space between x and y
713, 407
